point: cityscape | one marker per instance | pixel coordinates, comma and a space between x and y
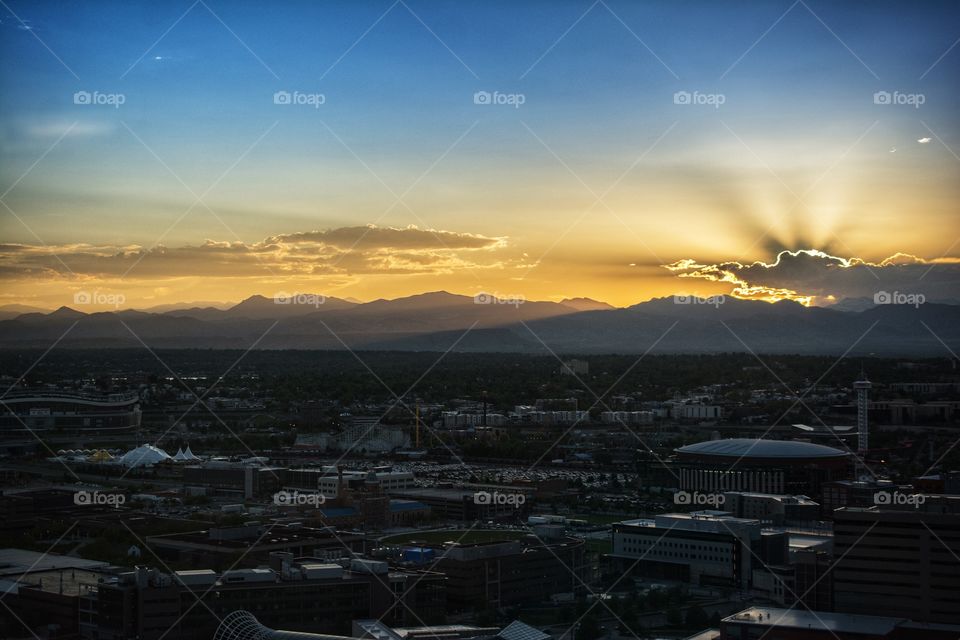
423, 320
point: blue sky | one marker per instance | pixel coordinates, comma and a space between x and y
597, 81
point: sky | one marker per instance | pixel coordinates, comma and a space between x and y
207, 151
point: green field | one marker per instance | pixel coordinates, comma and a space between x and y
468, 537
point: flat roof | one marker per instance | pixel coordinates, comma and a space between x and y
759, 448
816, 621
16, 562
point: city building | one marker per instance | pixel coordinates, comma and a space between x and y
627, 417
41, 410
768, 623
902, 560
303, 594
704, 548
772, 508
757, 465
470, 505
218, 547
528, 570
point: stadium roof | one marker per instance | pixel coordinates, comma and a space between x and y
756, 448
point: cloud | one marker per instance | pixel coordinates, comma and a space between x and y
71, 129
374, 237
814, 277
924, 140
342, 251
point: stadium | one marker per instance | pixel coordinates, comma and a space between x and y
38, 410
767, 466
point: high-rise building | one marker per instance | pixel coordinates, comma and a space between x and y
862, 387
899, 561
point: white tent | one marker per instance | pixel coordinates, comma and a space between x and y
145, 454
184, 456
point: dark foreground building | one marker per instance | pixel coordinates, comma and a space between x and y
303, 595
898, 561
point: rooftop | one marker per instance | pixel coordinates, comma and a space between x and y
17, 562
759, 448
817, 621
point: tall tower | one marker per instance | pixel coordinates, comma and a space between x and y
862, 387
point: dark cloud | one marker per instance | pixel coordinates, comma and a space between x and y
819, 278
347, 250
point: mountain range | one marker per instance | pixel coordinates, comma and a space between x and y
439, 321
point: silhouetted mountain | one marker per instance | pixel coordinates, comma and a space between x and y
13, 310
852, 304
585, 304
435, 321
